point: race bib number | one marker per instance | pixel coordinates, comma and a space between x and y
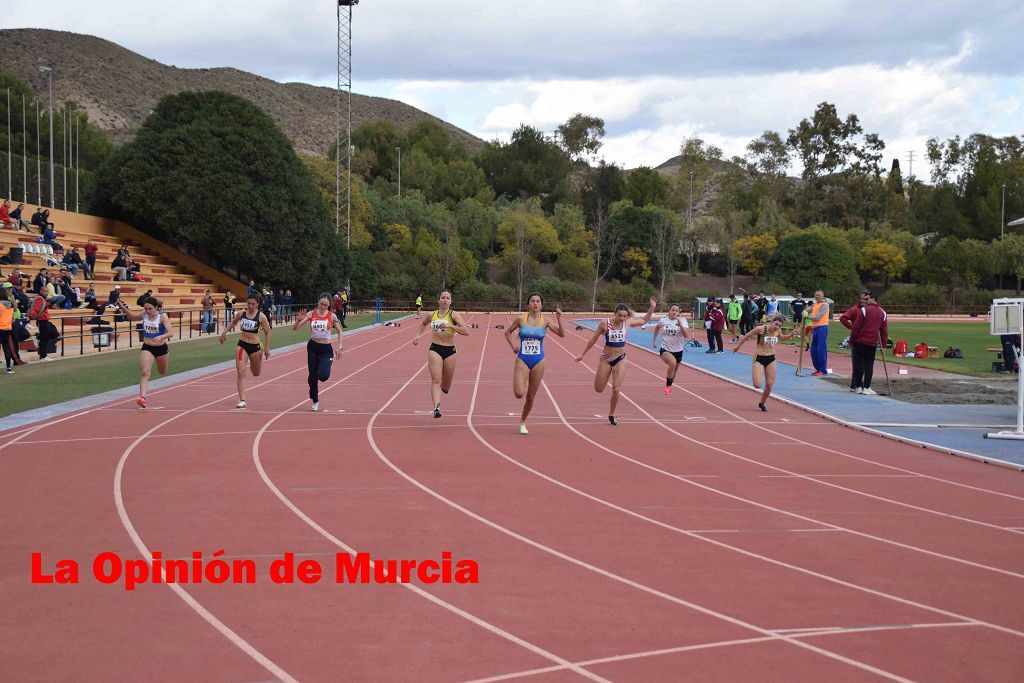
771, 341
530, 347
616, 335
439, 326
670, 331
318, 325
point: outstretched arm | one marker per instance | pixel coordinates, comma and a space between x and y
593, 340
423, 325
234, 321
647, 318
745, 337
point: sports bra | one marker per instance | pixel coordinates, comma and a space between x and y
251, 325
320, 326
442, 324
614, 338
153, 327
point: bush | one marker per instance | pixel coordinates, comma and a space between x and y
914, 295
477, 291
636, 294
398, 286
568, 295
808, 260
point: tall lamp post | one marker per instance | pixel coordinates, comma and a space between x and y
399, 150
49, 85
1002, 214
689, 213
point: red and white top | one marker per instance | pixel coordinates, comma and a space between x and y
320, 326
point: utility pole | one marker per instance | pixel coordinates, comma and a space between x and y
64, 122
689, 213
343, 177
24, 151
9, 158
399, 150
1002, 215
49, 84
39, 162
910, 163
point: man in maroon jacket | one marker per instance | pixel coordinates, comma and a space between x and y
870, 327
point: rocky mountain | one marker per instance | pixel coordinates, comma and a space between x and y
118, 88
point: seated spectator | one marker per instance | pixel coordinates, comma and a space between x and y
40, 280
90, 258
46, 217
17, 282
19, 222
5, 216
73, 260
50, 237
123, 251
49, 292
134, 269
115, 296
120, 267
46, 340
39, 220
90, 296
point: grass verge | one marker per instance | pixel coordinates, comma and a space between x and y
42, 384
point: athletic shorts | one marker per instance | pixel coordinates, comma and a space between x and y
678, 355
157, 351
248, 349
614, 361
764, 360
443, 351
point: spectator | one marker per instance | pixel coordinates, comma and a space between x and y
46, 340
870, 328
772, 306
17, 282
115, 296
90, 258
39, 220
733, 314
279, 306
344, 306
73, 260
123, 251
289, 301
266, 303
714, 321
133, 268
747, 310
46, 218
19, 221
142, 299
5, 216
49, 292
50, 237
40, 280
229, 307
7, 342
820, 316
90, 296
120, 267
339, 306
798, 305
762, 307
253, 290
208, 319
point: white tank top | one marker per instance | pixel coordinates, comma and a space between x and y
320, 327
672, 333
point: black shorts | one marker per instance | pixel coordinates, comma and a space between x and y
249, 348
443, 351
157, 351
678, 355
764, 360
615, 361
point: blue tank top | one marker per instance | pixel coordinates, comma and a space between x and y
152, 328
531, 339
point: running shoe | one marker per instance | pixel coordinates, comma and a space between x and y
762, 407
869, 392
668, 390
437, 410
240, 404
141, 400
855, 390
10, 371
522, 428
315, 407
612, 421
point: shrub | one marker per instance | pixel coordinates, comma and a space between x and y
636, 294
568, 295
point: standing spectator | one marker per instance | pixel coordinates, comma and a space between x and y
46, 340
229, 307
7, 342
338, 305
798, 305
714, 322
5, 216
279, 305
90, 258
344, 307
419, 304
253, 290
772, 306
73, 260
747, 309
289, 301
870, 328
267, 304
208, 320
142, 299
733, 314
820, 316
50, 238
762, 307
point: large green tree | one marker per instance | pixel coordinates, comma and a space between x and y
529, 165
809, 260
212, 174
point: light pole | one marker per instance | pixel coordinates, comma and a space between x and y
49, 85
689, 213
64, 151
39, 162
1002, 214
399, 150
24, 151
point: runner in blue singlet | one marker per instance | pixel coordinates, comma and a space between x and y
529, 366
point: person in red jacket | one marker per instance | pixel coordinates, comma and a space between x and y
714, 322
847, 319
870, 328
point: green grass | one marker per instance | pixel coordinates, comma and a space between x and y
43, 384
971, 338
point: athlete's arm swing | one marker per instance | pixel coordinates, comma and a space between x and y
753, 333
558, 318
647, 318
336, 323
508, 334
302, 318
166, 336
416, 339
657, 331
265, 324
231, 327
593, 340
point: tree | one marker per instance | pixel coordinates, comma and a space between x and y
666, 237
256, 204
604, 248
883, 259
581, 135
636, 263
646, 186
753, 252
806, 261
525, 237
1011, 249
530, 165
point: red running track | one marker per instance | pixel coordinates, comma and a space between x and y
699, 540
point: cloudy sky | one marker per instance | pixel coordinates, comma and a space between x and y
655, 70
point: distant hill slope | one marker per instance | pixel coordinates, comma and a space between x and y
118, 88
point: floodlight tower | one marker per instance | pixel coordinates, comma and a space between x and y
343, 173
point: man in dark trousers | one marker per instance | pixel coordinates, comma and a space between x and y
870, 327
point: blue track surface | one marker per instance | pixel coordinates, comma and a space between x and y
873, 412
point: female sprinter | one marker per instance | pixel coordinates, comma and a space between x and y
529, 367
156, 330
250, 321
444, 325
611, 366
320, 352
764, 359
675, 331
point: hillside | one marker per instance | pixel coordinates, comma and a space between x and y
118, 88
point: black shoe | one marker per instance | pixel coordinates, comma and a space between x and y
762, 407
437, 410
710, 351
612, 421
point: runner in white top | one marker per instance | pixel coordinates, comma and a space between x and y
674, 332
